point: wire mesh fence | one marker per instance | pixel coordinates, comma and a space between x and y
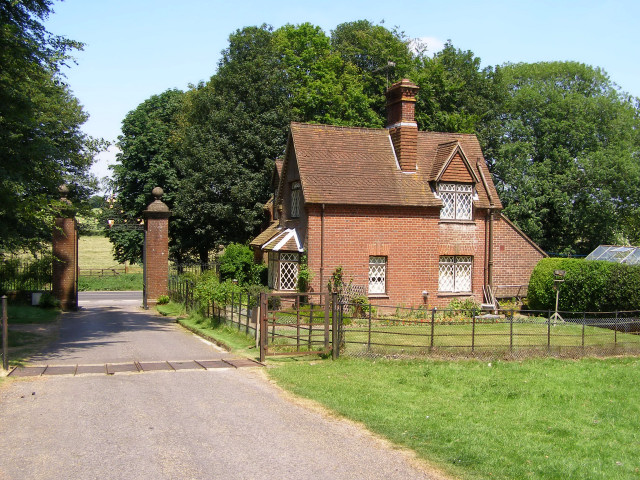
296, 324
505, 333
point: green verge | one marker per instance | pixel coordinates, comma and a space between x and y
218, 332
113, 283
540, 418
23, 344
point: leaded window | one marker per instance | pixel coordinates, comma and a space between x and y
455, 273
283, 270
457, 201
295, 199
377, 274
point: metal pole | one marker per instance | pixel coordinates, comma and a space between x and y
5, 334
433, 318
369, 335
334, 326
263, 326
549, 331
473, 332
615, 331
584, 317
511, 331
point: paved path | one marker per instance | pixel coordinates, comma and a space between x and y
218, 423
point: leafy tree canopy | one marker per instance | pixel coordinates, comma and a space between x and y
41, 144
564, 155
147, 159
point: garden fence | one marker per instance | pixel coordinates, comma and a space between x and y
18, 275
238, 310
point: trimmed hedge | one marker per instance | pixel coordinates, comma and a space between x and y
592, 286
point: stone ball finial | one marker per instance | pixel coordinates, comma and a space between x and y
63, 190
157, 192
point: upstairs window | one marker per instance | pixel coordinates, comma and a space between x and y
377, 275
295, 199
457, 201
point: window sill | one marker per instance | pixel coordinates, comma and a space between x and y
454, 294
377, 295
456, 222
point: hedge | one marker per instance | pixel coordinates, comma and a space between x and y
592, 286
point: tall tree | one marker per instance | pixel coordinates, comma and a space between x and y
565, 155
456, 94
147, 159
41, 144
380, 56
231, 130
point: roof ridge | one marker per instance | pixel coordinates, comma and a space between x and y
340, 127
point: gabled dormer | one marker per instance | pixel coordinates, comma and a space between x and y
455, 182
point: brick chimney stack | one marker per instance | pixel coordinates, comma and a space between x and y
401, 123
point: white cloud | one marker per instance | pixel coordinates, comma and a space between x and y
433, 45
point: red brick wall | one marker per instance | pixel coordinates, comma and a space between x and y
412, 238
515, 255
157, 258
65, 265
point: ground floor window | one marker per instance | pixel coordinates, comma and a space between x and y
377, 275
283, 270
455, 273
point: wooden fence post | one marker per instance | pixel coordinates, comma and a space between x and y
297, 323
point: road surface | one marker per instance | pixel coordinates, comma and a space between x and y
223, 423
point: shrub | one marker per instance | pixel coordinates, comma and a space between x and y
236, 263
468, 305
163, 299
360, 307
588, 285
47, 300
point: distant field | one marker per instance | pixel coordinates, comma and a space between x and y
96, 252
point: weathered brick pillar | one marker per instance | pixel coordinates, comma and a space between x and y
156, 255
65, 256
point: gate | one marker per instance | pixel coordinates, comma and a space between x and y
298, 324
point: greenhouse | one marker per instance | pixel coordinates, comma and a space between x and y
616, 253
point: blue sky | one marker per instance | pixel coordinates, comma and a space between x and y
138, 48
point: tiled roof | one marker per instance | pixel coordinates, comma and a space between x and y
278, 239
358, 166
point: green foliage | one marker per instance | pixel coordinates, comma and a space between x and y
47, 300
563, 151
305, 276
41, 143
26, 276
361, 308
146, 160
236, 263
336, 282
589, 286
113, 283
163, 300
468, 305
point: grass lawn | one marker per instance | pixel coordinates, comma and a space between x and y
538, 419
123, 282
211, 329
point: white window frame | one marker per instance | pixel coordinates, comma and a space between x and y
456, 197
377, 275
455, 273
296, 197
283, 265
